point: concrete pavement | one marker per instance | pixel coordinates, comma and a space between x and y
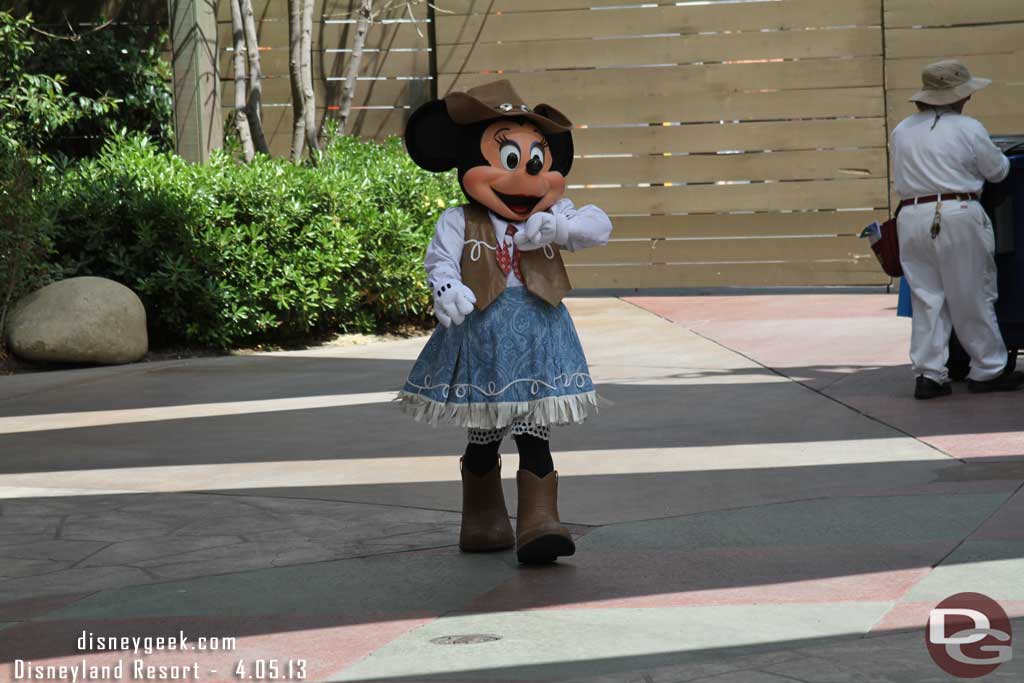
760, 500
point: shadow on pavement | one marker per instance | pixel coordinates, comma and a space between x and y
763, 409
272, 561
146, 564
201, 380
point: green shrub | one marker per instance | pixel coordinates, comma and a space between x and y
36, 109
116, 64
225, 254
25, 233
32, 107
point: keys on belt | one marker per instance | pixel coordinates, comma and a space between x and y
937, 199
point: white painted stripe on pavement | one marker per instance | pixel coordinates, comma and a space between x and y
101, 418
427, 469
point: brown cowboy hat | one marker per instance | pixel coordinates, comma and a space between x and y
434, 129
497, 100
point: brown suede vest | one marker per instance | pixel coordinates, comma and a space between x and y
543, 270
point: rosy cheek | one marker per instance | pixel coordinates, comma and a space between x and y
556, 183
477, 182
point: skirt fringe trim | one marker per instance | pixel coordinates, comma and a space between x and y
552, 410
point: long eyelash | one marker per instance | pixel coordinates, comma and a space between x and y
544, 144
501, 138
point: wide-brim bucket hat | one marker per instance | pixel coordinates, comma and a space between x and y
946, 82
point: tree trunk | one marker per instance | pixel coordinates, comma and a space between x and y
252, 51
295, 74
306, 68
348, 86
241, 118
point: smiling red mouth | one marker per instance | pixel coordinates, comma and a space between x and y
519, 204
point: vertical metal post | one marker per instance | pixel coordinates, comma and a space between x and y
198, 124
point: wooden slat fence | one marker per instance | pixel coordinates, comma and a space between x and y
987, 34
738, 142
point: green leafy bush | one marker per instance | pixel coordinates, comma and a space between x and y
225, 254
116, 64
36, 108
25, 233
32, 106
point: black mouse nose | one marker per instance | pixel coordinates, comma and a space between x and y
534, 166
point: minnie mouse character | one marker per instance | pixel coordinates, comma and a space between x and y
506, 358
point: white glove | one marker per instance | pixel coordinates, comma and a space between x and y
542, 229
453, 301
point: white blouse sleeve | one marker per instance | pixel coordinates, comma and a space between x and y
589, 226
992, 163
444, 254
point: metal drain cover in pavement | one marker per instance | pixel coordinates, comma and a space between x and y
470, 639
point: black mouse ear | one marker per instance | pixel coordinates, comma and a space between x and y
560, 146
431, 137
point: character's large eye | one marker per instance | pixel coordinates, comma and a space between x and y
537, 153
509, 155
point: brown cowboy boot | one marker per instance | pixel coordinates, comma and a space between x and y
485, 525
540, 536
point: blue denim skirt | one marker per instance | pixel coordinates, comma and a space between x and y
518, 359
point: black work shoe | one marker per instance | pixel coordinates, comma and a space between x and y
1008, 381
929, 388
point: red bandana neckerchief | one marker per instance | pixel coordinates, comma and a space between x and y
509, 260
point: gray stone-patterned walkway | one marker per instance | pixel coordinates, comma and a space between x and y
760, 501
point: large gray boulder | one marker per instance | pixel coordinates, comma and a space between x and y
79, 320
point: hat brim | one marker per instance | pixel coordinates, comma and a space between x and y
951, 95
465, 109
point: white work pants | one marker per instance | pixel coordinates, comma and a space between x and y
952, 282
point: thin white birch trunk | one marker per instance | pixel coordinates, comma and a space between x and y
306, 68
295, 75
255, 78
348, 87
241, 117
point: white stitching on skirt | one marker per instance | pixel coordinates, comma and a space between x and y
579, 379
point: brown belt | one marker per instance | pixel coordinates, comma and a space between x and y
932, 198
